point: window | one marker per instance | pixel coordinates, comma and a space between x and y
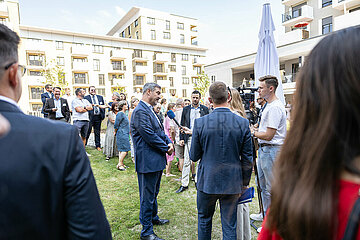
129, 30
326, 3
98, 49
296, 11
180, 25
79, 59
172, 68
80, 78
194, 80
36, 60
160, 78
167, 25
116, 76
182, 38
166, 35
101, 91
185, 80
3, 20
194, 41
140, 63
137, 34
184, 57
173, 57
139, 80
36, 107
183, 70
184, 93
136, 23
101, 80
153, 35
137, 53
158, 68
122, 34
36, 92
151, 21
59, 45
96, 65
173, 91
171, 79
327, 25
118, 65
197, 70
212, 79
60, 61
35, 73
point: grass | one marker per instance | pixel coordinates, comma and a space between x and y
120, 197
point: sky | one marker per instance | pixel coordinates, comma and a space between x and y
227, 28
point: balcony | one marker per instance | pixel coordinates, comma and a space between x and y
120, 82
34, 80
293, 36
304, 14
140, 69
35, 46
291, 2
139, 57
345, 4
160, 71
81, 66
199, 61
4, 10
138, 82
117, 55
347, 20
80, 50
160, 58
118, 67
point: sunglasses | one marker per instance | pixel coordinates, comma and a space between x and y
21, 68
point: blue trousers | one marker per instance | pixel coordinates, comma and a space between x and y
149, 186
228, 209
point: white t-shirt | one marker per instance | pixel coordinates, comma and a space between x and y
178, 113
274, 116
80, 103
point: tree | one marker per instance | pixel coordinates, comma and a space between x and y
202, 83
118, 89
54, 74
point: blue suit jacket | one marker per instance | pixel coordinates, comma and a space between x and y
48, 190
222, 141
45, 96
101, 102
150, 141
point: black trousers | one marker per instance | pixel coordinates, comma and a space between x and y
96, 124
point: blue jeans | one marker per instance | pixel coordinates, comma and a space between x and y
267, 156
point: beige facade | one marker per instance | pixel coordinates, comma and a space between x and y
305, 22
106, 62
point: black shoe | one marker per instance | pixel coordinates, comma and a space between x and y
193, 177
151, 237
181, 189
160, 222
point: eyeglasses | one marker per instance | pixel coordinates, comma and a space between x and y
21, 68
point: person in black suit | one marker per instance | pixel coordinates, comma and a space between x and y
222, 141
57, 107
46, 95
48, 190
96, 115
151, 146
188, 116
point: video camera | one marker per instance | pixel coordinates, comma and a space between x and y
247, 96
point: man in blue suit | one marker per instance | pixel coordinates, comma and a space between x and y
222, 141
96, 115
151, 146
46, 95
48, 190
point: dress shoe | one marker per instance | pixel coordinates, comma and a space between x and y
151, 237
99, 149
160, 222
181, 189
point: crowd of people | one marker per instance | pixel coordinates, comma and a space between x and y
309, 176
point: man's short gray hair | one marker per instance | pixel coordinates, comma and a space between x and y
9, 41
150, 86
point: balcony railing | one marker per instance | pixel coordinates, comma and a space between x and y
80, 81
194, 43
138, 82
35, 63
303, 14
291, 14
117, 67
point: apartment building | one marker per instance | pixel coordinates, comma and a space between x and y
107, 62
305, 23
156, 26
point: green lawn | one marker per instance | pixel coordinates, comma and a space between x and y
120, 197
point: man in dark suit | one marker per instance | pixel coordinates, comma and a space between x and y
57, 107
47, 187
96, 115
46, 95
222, 141
188, 116
151, 145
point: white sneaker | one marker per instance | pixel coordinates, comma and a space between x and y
256, 217
89, 155
259, 229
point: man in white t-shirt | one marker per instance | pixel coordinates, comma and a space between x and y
179, 149
271, 135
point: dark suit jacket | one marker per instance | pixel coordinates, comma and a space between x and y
185, 119
222, 141
48, 190
150, 141
101, 102
50, 104
44, 96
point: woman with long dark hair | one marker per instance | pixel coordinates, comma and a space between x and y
317, 175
